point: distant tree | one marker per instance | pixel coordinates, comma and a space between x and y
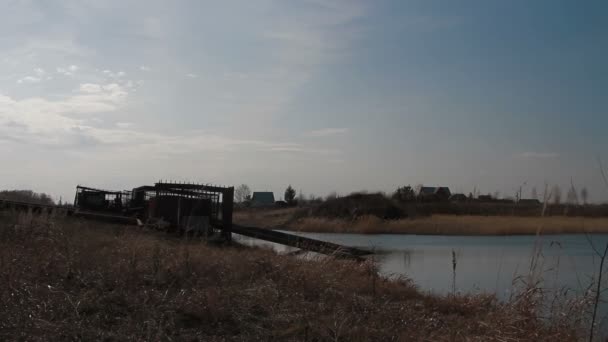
312, 198
534, 193
471, 196
556, 194
331, 196
242, 193
290, 195
404, 194
301, 198
584, 195
26, 196
496, 194
572, 196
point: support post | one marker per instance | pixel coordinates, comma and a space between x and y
227, 208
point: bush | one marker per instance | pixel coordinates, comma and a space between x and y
27, 196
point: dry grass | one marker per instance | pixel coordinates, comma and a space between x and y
457, 225
268, 218
436, 224
75, 280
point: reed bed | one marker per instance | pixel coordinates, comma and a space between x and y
291, 219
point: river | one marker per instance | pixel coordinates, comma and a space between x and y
484, 264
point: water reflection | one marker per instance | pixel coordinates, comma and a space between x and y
484, 264
500, 265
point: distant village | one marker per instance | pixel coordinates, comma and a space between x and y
424, 194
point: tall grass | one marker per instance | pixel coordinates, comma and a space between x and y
71, 280
436, 224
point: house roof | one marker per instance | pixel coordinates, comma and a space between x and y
265, 197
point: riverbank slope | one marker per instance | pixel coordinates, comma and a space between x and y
66, 279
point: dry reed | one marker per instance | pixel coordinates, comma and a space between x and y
436, 224
71, 280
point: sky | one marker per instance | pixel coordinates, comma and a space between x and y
325, 95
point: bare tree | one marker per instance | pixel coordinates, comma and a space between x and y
557, 194
584, 195
242, 193
331, 196
602, 256
27, 196
546, 198
418, 188
534, 193
572, 197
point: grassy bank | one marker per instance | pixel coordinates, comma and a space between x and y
75, 280
299, 220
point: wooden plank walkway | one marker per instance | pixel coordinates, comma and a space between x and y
301, 242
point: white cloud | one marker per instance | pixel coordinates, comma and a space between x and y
114, 75
67, 71
324, 132
29, 79
39, 71
47, 121
90, 88
539, 155
60, 123
124, 124
258, 90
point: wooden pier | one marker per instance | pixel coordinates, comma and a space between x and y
301, 242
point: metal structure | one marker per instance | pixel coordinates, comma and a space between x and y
191, 206
101, 200
185, 207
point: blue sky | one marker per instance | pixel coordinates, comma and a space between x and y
324, 95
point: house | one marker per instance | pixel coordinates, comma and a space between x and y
262, 199
432, 193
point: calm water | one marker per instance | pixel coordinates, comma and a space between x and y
484, 264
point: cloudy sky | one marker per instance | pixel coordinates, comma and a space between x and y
324, 95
